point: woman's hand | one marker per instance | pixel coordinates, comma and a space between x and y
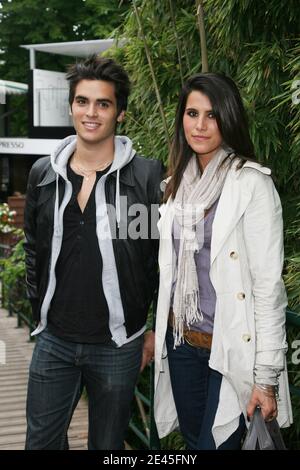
265, 399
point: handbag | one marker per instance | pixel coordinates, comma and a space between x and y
263, 435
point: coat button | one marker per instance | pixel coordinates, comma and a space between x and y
241, 295
246, 338
234, 255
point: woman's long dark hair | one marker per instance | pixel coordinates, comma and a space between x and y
230, 116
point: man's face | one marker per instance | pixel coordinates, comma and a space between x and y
94, 111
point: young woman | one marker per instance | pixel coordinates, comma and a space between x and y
220, 327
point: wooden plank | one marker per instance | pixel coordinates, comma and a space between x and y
13, 393
14, 406
9, 389
13, 390
12, 413
11, 446
12, 400
21, 412
77, 428
13, 379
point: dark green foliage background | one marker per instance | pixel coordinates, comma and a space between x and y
257, 43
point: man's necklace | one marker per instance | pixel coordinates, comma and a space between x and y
87, 172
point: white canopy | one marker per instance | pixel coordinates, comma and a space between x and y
8, 87
73, 48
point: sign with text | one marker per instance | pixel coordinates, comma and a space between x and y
50, 99
12, 145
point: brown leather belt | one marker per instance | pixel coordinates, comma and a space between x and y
198, 339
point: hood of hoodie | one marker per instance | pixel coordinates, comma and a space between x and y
124, 153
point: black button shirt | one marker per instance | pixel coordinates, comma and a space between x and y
79, 310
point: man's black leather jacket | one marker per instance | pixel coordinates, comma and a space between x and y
136, 259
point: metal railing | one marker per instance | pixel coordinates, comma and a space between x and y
148, 435
293, 319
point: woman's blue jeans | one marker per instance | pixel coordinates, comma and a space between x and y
196, 390
58, 372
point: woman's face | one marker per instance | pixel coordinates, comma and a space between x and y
200, 127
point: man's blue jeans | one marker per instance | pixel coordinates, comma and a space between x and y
58, 372
196, 390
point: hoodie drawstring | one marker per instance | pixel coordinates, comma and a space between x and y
56, 206
118, 209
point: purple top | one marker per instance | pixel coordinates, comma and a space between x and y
202, 260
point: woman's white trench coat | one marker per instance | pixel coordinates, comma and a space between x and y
249, 324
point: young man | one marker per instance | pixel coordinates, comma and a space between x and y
91, 277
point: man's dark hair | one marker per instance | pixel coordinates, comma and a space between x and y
99, 68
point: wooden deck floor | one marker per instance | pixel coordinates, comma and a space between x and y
15, 355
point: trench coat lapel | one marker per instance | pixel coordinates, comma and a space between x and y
233, 202
165, 224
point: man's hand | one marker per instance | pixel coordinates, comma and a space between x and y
148, 349
266, 402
